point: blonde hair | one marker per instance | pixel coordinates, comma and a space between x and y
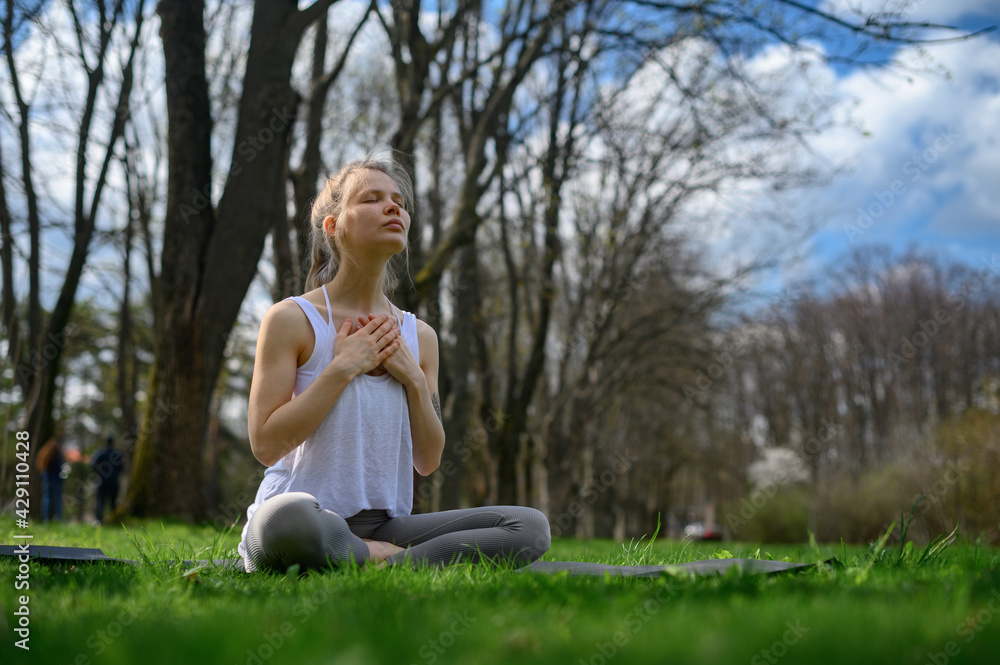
329, 252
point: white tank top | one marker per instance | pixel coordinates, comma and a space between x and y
361, 455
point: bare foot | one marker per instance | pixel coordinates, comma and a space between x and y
379, 551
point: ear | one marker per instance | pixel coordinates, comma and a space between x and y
329, 225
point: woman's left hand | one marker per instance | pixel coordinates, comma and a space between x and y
400, 363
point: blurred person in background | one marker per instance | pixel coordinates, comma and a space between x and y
49, 463
108, 464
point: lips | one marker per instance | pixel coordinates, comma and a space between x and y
395, 223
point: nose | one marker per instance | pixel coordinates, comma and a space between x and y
392, 206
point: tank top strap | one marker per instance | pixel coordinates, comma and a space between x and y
408, 327
311, 312
393, 310
329, 310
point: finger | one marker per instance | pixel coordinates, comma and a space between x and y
386, 332
375, 321
379, 325
388, 350
386, 340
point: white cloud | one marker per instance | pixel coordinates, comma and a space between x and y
927, 127
933, 11
945, 11
932, 137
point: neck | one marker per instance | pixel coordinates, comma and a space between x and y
359, 288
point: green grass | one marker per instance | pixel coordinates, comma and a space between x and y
882, 604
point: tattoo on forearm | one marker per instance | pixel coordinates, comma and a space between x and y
437, 406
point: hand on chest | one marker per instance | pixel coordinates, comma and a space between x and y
356, 318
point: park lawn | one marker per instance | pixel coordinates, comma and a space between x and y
875, 609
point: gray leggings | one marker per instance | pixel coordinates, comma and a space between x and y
291, 528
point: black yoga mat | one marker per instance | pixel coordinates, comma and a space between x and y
55, 554
705, 567
58, 554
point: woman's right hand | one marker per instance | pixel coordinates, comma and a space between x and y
363, 350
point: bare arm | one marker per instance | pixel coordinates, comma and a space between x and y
424, 406
277, 423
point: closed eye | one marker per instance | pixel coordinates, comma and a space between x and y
374, 196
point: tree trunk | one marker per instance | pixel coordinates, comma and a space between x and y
166, 469
458, 425
126, 351
10, 326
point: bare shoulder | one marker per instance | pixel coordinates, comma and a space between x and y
426, 334
424, 330
286, 325
428, 341
284, 315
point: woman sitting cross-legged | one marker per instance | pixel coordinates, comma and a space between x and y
344, 405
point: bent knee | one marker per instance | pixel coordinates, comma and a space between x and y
288, 508
285, 500
295, 529
536, 527
286, 520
